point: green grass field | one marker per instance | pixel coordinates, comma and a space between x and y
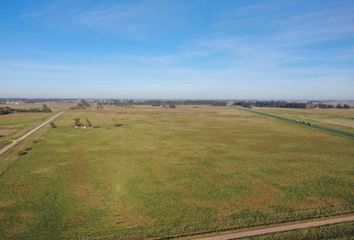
172, 172
342, 119
15, 125
343, 231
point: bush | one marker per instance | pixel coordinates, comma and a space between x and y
35, 141
118, 124
21, 152
53, 125
88, 123
77, 122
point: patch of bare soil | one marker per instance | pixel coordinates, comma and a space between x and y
44, 170
6, 132
342, 122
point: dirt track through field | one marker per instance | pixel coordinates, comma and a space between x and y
280, 228
310, 125
20, 139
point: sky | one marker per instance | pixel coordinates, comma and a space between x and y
200, 49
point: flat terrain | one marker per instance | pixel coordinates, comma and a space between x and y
15, 125
6, 148
172, 172
281, 228
343, 231
341, 119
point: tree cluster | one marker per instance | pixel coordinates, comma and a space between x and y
78, 123
5, 110
8, 110
344, 106
279, 104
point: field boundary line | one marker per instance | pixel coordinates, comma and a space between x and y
23, 137
223, 231
286, 227
338, 132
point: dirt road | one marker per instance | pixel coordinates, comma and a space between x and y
279, 228
20, 139
339, 132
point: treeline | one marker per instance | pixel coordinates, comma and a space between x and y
5, 110
8, 110
36, 100
344, 106
162, 102
285, 104
279, 104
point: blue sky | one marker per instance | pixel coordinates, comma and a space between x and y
289, 49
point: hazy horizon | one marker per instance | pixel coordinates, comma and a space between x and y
261, 50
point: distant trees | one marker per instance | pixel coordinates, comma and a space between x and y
156, 103
8, 110
280, 104
222, 104
99, 106
340, 106
81, 105
85, 103
5, 110
323, 105
45, 108
171, 105
286, 104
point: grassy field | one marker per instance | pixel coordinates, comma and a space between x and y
172, 172
342, 119
16, 124
339, 232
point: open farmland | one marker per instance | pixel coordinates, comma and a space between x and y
14, 125
172, 172
341, 119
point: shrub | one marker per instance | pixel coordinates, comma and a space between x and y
53, 125
77, 122
118, 124
35, 141
88, 122
21, 152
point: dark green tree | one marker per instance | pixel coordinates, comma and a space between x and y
77, 122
